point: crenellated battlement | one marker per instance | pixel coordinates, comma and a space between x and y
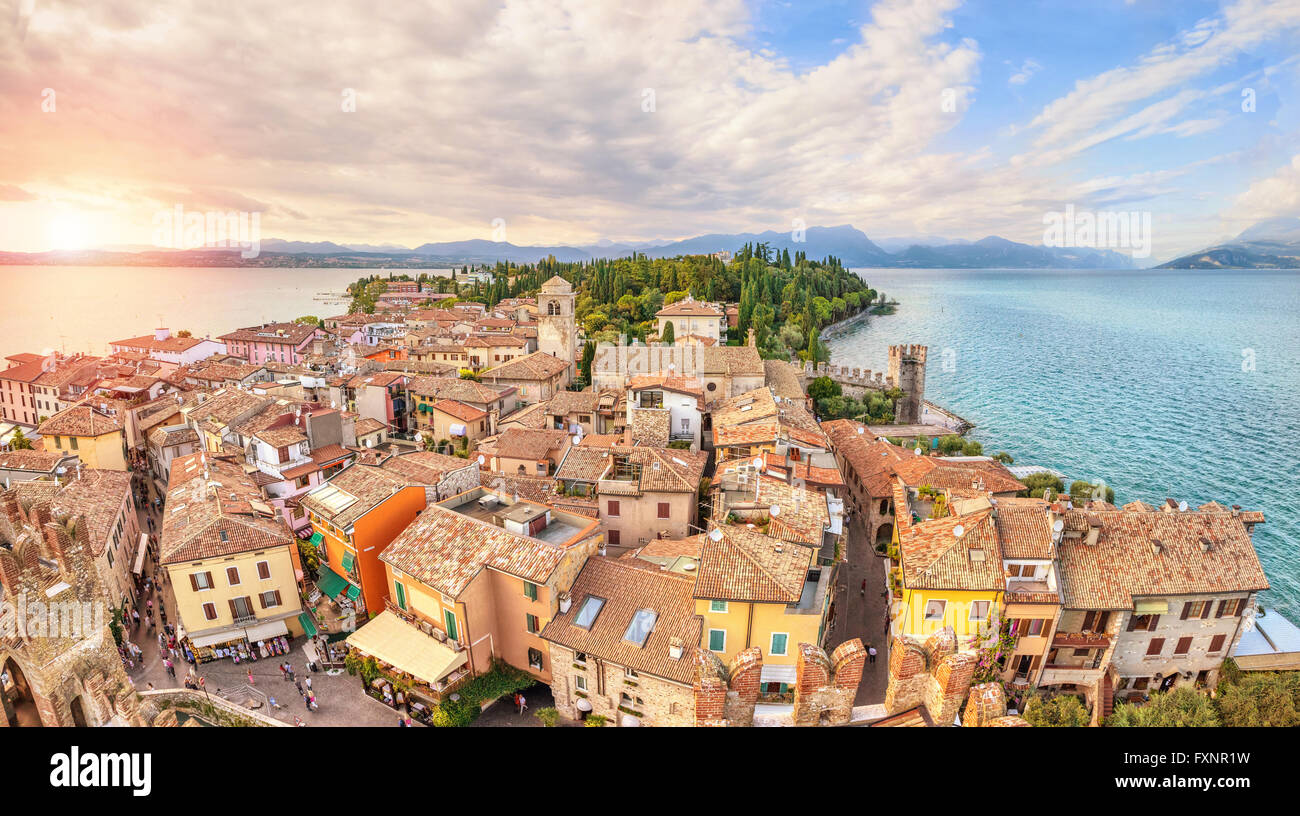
862, 377
910, 352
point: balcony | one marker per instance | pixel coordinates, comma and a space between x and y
1081, 640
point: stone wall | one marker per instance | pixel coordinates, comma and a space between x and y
662, 703
931, 674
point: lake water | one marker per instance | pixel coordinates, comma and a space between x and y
1171, 383
82, 308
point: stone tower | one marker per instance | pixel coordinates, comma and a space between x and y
907, 370
557, 328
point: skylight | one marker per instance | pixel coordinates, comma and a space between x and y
588, 611
643, 623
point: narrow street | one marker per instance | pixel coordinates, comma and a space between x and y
862, 614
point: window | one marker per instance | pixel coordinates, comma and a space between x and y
591, 606
580, 682
1196, 610
270, 599
580, 657
283, 453
979, 610
718, 606
779, 642
1095, 621
241, 607
531, 622
530, 590
640, 627
1082, 652
934, 610
232, 576
535, 659
401, 595
1183, 646
200, 581
210, 611
663, 510
611, 508
1143, 623
630, 674
613, 537
1140, 683
717, 640
1216, 643
1156, 646
72, 440
264, 570
449, 618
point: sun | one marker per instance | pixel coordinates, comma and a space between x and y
68, 231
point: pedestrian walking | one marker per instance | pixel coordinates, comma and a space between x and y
250, 678
289, 668
863, 593
307, 681
871, 653
408, 723
298, 683
523, 705
284, 673
401, 723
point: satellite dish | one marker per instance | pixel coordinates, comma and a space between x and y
1182, 507
916, 451
672, 366
758, 461
715, 534
861, 430
1058, 526
482, 460
959, 531
775, 510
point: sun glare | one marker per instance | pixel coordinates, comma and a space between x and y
67, 231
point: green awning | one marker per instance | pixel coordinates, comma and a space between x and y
308, 625
331, 583
353, 591
316, 538
348, 561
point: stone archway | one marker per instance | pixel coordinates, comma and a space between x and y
885, 533
20, 709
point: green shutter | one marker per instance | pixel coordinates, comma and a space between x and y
530, 589
401, 595
450, 619
717, 640
778, 643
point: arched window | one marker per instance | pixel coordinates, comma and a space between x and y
553, 308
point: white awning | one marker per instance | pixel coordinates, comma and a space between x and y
140, 551
457, 429
228, 636
266, 630
777, 674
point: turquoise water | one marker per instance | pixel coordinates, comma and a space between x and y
1132, 377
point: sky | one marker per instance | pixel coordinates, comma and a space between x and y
558, 122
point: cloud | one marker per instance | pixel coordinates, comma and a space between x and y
1275, 195
1027, 69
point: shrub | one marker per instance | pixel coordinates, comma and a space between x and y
951, 444
1183, 708
595, 721
1260, 699
548, 716
1035, 483
1059, 711
453, 714
972, 448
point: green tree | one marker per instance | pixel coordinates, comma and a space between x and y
1259, 700
1081, 491
310, 558
950, 444
972, 448
548, 716
1057, 711
308, 320
822, 388
1004, 457
1183, 707
1035, 483
19, 440
669, 335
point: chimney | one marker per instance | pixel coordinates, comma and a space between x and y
675, 649
1206, 544
1156, 546
1236, 510
161, 334
1094, 529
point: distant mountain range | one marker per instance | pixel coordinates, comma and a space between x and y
1270, 244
